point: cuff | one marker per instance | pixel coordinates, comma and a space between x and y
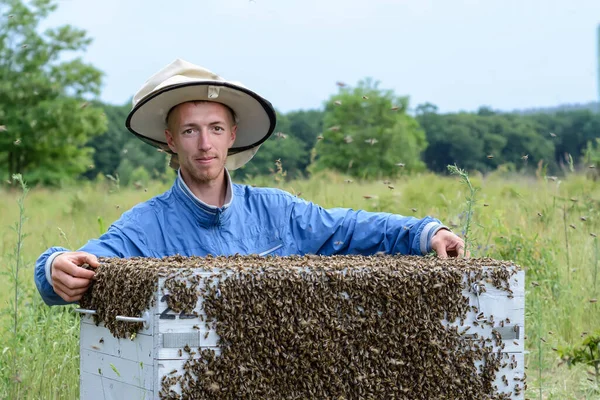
425, 240
48, 266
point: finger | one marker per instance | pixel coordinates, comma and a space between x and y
65, 296
441, 252
70, 268
460, 250
69, 281
68, 291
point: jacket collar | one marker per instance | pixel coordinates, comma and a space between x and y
206, 214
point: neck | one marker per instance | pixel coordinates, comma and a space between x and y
212, 192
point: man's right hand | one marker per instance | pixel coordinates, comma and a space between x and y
70, 281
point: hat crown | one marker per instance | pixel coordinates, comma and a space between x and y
179, 71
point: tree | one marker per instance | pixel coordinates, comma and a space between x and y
283, 145
118, 151
367, 134
45, 120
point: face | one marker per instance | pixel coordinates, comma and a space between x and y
201, 133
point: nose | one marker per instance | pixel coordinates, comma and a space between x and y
204, 140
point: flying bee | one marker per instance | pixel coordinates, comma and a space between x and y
337, 103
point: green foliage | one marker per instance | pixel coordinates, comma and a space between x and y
367, 133
43, 113
591, 157
295, 135
118, 151
587, 353
483, 141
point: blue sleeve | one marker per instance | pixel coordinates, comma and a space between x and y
114, 243
346, 231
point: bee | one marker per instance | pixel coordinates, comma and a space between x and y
337, 103
334, 128
371, 141
401, 165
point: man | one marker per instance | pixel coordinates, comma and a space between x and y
211, 125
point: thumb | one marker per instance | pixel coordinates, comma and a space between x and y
83, 258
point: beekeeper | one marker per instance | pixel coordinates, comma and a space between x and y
211, 126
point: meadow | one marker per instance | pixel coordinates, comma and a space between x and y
545, 225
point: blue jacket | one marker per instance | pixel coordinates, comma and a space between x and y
262, 221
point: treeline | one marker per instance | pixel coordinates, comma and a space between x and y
51, 133
367, 133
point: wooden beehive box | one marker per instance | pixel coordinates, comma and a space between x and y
134, 367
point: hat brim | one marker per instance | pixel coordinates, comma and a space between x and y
256, 116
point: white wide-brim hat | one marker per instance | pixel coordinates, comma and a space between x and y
182, 81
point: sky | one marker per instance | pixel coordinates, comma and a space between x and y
459, 55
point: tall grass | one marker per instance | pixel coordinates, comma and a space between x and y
523, 222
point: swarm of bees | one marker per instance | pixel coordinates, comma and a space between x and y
316, 326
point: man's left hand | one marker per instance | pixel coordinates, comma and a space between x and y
447, 244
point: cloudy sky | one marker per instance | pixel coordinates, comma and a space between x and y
458, 54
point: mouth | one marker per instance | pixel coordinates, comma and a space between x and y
204, 160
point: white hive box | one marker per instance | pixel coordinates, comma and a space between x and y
113, 368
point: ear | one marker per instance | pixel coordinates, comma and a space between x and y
233, 135
170, 141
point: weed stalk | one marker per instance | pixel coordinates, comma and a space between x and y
464, 178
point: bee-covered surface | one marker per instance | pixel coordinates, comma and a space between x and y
320, 327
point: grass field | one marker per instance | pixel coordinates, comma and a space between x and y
543, 225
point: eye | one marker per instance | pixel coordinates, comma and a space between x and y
219, 129
188, 131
